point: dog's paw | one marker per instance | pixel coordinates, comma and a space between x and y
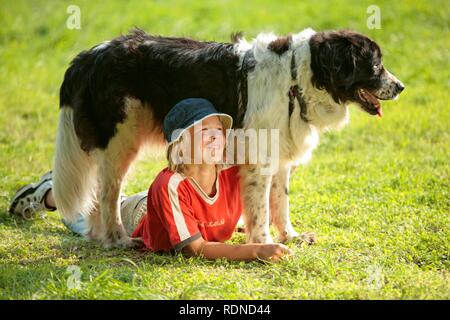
119, 239
127, 243
134, 243
309, 238
288, 236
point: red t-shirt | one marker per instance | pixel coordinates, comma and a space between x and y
179, 211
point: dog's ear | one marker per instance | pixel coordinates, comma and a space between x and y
346, 73
237, 36
333, 62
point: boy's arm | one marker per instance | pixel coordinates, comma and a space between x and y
215, 250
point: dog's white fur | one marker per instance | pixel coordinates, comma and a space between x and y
268, 108
74, 173
99, 176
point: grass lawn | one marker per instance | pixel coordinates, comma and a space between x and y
376, 193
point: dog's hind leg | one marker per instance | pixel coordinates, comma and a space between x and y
279, 209
255, 193
111, 177
74, 171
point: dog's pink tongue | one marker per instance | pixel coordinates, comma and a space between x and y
379, 112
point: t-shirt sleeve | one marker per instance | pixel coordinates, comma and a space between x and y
172, 204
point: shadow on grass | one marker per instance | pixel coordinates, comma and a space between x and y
44, 240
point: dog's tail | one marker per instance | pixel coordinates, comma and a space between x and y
74, 172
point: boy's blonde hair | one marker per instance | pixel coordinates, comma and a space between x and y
174, 156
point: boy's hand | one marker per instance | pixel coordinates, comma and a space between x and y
273, 252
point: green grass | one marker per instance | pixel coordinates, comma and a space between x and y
376, 193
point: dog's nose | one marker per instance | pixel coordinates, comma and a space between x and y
400, 87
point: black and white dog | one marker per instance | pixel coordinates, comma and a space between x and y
114, 98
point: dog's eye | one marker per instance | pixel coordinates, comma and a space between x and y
377, 69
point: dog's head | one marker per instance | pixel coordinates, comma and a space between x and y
348, 65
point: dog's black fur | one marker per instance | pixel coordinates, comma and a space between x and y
159, 74
160, 71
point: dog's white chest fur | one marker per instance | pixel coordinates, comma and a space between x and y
268, 85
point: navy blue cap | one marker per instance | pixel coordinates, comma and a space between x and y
187, 113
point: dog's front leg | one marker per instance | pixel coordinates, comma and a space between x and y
279, 205
255, 192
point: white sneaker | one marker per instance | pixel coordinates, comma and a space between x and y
132, 209
29, 200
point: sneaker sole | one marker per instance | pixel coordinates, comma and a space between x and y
25, 190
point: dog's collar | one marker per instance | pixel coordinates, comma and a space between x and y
295, 92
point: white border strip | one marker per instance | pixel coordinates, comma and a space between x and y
172, 187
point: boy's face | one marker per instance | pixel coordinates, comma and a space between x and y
210, 138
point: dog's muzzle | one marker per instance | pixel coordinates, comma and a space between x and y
391, 87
